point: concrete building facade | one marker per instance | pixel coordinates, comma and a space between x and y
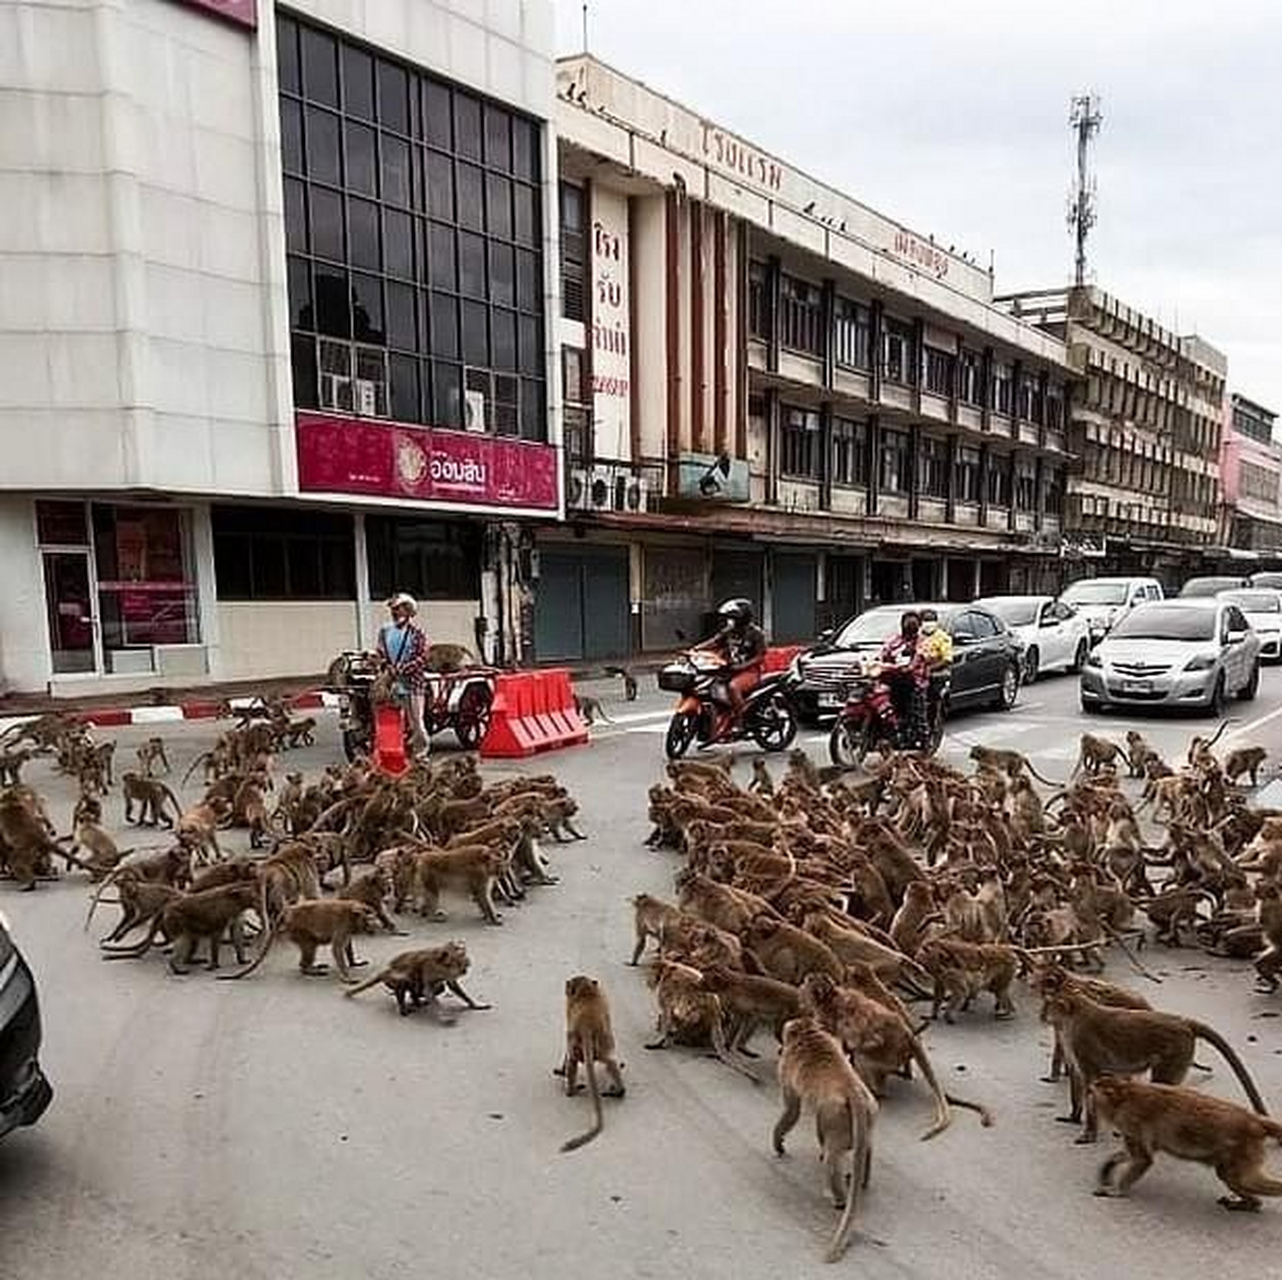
773, 391
1251, 481
1147, 410
273, 333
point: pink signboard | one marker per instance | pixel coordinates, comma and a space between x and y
396, 460
242, 12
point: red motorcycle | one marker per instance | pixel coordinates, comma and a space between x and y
869, 721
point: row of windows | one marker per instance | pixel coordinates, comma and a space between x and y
1259, 482
262, 553
801, 457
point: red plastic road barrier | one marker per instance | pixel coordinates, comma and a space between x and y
389, 740
532, 711
780, 659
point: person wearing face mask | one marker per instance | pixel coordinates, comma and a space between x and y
936, 644
907, 672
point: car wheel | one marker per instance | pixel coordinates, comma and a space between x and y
1252, 687
1091, 708
1079, 658
1218, 697
1009, 690
1032, 659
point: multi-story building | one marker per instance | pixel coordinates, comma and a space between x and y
773, 391
1251, 480
273, 331
1147, 408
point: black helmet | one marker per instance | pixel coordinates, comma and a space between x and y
736, 611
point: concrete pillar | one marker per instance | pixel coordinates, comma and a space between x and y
202, 550
364, 636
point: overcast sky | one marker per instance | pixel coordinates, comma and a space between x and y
953, 118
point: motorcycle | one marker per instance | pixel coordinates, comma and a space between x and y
458, 700
869, 722
703, 712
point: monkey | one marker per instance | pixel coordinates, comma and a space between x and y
149, 754
95, 767
787, 953
1171, 908
140, 902
1099, 1040
762, 783
590, 708
1190, 1126
370, 887
1011, 763
1200, 747
286, 876
917, 909
151, 796
173, 868
198, 827
233, 871
730, 909
418, 977
813, 1069
961, 970
689, 1012
312, 923
104, 857
1096, 754
1268, 894
589, 1039
449, 658
25, 844
1245, 760
190, 917
654, 918
300, 733
472, 867
1138, 753
630, 687
287, 806
748, 1000
11, 765
1047, 979
249, 809
850, 946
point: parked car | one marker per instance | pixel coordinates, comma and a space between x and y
1101, 601
1191, 652
1056, 637
1211, 585
988, 659
1263, 610
1269, 578
24, 1091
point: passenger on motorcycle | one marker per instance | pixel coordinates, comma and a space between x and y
741, 645
906, 670
937, 649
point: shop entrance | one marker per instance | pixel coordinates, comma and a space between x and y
73, 626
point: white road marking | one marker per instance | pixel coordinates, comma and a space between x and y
1252, 725
155, 715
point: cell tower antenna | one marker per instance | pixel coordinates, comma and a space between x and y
1085, 119
585, 26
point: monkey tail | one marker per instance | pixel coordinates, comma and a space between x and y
943, 1116
1272, 1128
598, 1118
1211, 1036
173, 799
137, 949
1218, 734
1040, 777
97, 897
861, 1154
1136, 963
204, 755
985, 1116
257, 960
369, 982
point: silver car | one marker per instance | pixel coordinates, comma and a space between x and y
1190, 652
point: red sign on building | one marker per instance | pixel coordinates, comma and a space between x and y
396, 460
242, 12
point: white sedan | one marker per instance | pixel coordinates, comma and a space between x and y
1056, 637
1263, 609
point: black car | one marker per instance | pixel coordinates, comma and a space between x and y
987, 657
24, 1091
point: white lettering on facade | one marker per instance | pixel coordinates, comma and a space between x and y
462, 471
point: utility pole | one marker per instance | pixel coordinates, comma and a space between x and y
585, 26
1085, 119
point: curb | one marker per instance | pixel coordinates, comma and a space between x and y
115, 717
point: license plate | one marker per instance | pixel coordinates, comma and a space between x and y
1137, 686
831, 701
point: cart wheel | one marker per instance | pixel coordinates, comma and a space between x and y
472, 719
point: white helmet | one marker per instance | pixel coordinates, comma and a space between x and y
403, 600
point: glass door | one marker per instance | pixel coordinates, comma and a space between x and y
73, 624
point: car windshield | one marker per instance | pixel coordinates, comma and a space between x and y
1014, 613
1254, 601
874, 627
1208, 586
1167, 622
1095, 593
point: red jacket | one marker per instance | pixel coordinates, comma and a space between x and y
405, 648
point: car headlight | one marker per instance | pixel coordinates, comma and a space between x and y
1203, 662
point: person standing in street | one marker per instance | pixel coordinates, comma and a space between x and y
402, 644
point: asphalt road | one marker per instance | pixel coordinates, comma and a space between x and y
271, 1129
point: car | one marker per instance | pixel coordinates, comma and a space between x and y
988, 659
1271, 579
24, 1091
1101, 601
1211, 585
1263, 610
1055, 635
1192, 652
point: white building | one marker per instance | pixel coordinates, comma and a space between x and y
247, 252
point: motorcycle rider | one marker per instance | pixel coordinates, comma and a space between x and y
741, 645
908, 676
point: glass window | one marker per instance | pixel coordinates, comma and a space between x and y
291, 136
301, 314
498, 206
471, 196
967, 475
527, 280
287, 65
896, 461
502, 273
358, 83
467, 126
295, 216
440, 186
799, 444
530, 344
402, 326
396, 169
302, 348
476, 342
320, 66
278, 554
852, 336
61, 524
758, 300
440, 256
367, 309
503, 338
447, 394
398, 244
800, 316
431, 560
934, 468
498, 139
897, 346
445, 324
327, 223
393, 97
471, 261
525, 149
403, 371
324, 162
363, 234
362, 159
573, 251
333, 304
438, 111
849, 452
525, 213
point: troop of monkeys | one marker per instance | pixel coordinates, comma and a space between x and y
812, 908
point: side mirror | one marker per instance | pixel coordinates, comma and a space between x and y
1236, 637
1050, 618
962, 638
826, 636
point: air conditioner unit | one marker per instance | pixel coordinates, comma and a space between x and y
635, 494
335, 392
365, 401
578, 488
474, 410
601, 490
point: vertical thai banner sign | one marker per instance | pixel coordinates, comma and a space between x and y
611, 331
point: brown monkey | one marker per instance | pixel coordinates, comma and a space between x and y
301, 733
748, 1000
471, 867
150, 754
762, 783
1048, 979
173, 868
961, 970
1102, 1041
915, 912
198, 827
371, 888
813, 1070
1138, 753
787, 953
286, 876
104, 857
189, 918
151, 796
311, 924
1011, 763
1268, 894
589, 708
25, 843
1200, 747
419, 977
1245, 760
850, 946
689, 1011
730, 909
589, 1039
1190, 1126
1096, 754
140, 901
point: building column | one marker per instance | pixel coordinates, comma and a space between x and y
917, 358
1016, 398
774, 275
825, 456
874, 468
772, 446
1011, 506
202, 548
1043, 396
986, 389
984, 462
360, 548
914, 471
876, 317
943, 577
828, 312
1039, 495
950, 490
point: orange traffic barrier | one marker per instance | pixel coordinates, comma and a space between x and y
532, 711
389, 740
